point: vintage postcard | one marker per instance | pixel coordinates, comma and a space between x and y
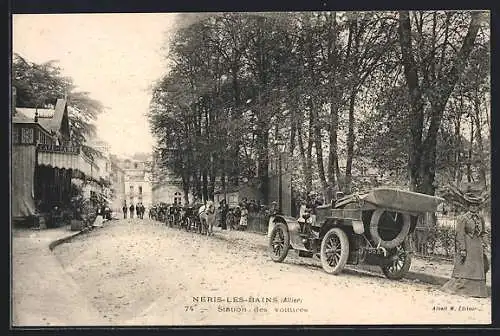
221, 169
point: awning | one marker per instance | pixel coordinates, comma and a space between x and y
66, 158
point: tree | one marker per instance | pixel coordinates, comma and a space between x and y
40, 85
431, 73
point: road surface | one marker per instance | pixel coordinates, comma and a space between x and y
137, 272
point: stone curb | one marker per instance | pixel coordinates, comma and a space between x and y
66, 239
71, 236
422, 277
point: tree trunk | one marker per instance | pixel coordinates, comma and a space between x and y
332, 155
458, 145
293, 134
318, 143
350, 144
416, 116
263, 162
198, 185
479, 140
423, 152
211, 186
223, 183
305, 160
205, 186
469, 156
185, 188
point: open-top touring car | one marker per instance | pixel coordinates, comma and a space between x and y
370, 228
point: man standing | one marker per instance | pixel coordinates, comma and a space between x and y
138, 210
223, 214
125, 209
131, 208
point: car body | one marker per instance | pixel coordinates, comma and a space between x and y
370, 228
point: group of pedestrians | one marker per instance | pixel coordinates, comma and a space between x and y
139, 209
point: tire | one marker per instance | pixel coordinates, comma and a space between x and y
334, 251
398, 240
279, 242
400, 264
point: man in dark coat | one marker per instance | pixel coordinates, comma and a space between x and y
138, 209
131, 209
223, 214
125, 209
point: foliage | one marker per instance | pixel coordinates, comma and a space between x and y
40, 85
334, 88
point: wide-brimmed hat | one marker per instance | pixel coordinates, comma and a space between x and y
465, 196
473, 194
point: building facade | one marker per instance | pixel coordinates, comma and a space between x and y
44, 164
117, 185
167, 187
137, 182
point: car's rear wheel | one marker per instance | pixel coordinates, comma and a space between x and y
334, 251
279, 242
399, 265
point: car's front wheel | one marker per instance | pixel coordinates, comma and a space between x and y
279, 242
334, 251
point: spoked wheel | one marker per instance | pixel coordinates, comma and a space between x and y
334, 251
279, 242
399, 265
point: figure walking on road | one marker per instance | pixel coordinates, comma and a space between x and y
131, 209
125, 209
138, 209
471, 263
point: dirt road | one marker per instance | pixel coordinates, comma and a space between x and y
139, 273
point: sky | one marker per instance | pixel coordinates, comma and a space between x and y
115, 57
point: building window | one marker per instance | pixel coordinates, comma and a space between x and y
177, 198
131, 190
135, 165
140, 190
27, 135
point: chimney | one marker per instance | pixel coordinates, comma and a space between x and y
14, 98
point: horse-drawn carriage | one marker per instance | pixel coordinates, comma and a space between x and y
370, 228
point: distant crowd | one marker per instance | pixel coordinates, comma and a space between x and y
139, 209
229, 217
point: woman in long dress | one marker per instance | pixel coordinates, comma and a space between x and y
471, 264
244, 216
